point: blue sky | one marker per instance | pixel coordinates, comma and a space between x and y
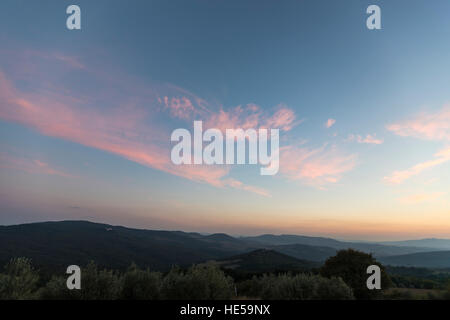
85, 127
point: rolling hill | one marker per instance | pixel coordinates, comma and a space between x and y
59, 244
302, 251
443, 244
376, 249
55, 245
436, 259
263, 260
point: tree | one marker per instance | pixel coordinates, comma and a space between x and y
19, 281
56, 289
95, 285
298, 287
200, 282
351, 266
140, 284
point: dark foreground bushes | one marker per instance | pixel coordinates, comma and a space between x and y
296, 287
19, 280
205, 281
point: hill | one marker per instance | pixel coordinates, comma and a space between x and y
376, 249
263, 260
422, 243
59, 244
306, 252
437, 259
55, 245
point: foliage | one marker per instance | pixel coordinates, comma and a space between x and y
351, 266
200, 282
207, 281
95, 285
419, 278
19, 282
140, 284
296, 287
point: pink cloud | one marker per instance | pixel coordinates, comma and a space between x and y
71, 61
121, 124
245, 117
400, 176
179, 107
426, 126
239, 185
29, 165
283, 119
368, 139
238, 117
330, 123
315, 166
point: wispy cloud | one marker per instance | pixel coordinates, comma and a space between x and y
368, 139
34, 166
252, 116
426, 126
241, 186
330, 123
181, 107
400, 176
125, 124
317, 167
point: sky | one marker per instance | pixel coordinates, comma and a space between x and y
364, 115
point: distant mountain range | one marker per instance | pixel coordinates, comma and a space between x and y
443, 244
55, 245
374, 248
436, 259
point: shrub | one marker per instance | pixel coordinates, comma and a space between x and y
140, 284
298, 287
95, 285
200, 282
19, 282
56, 289
351, 266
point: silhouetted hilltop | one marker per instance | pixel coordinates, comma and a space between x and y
263, 260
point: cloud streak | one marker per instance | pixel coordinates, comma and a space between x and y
399, 177
368, 139
317, 167
427, 126
33, 166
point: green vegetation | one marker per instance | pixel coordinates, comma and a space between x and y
419, 278
351, 266
296, 287
199, 282
342, 277
19, 282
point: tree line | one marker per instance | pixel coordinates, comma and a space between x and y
342, 277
